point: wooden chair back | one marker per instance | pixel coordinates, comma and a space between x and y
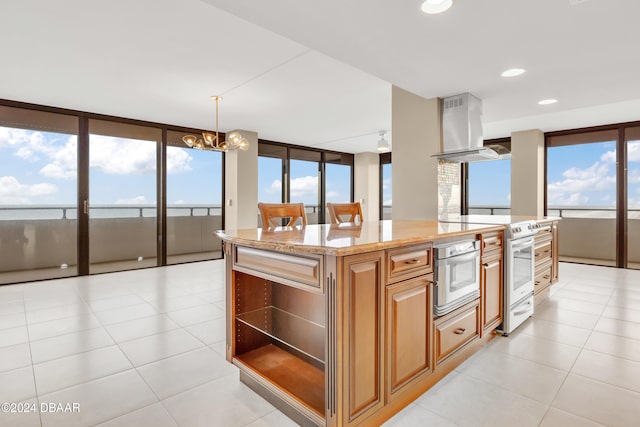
339, 210
273, 213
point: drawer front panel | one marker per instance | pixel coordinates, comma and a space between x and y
298, 269
491, 242
453, 333
406, 263
543, 277
543, 252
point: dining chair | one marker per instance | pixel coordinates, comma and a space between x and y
339, 211
272, 214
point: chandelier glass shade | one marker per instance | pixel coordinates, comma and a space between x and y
211, 141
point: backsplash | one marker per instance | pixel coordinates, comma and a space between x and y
449, 189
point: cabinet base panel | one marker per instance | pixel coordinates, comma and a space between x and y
290, 373
280, 404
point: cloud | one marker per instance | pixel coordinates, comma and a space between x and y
304, 186
13, 192
275, 187
138, 200
609, 157
63, 162
119, 156
178, 160
569, 191
633, 151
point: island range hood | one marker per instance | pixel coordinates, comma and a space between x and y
462, 132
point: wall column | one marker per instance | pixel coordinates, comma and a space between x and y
366, 184
241, 185
416, 136
527, 173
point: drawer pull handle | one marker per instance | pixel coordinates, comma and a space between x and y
412, 261
546, 276
459, 331
537, 283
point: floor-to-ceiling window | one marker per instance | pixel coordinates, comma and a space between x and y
82, 193
582, 189
337, 171
632, 140
38, 195
193, 201
291, 174
385, 186
489, 188
122, 196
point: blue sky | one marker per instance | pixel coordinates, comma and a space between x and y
40, 168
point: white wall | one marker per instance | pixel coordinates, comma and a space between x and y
527, 173
241, 185
366, 184
416, 135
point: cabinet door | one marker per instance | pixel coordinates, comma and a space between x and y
362, 310
492, 295
409, 316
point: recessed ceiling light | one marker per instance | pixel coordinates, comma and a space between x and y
436, 6
547, 101
512, 72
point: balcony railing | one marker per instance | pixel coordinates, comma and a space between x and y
45, 236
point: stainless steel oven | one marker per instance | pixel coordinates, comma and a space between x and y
457, 275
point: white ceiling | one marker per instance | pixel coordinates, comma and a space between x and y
320, 73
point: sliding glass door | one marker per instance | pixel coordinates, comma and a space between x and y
304, 183
632, 141
38, 195
122, 196
194, 202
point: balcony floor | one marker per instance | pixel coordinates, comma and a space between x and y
146, 348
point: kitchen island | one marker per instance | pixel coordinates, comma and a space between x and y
334, 324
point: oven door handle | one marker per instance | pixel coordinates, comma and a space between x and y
464, 257
517, 245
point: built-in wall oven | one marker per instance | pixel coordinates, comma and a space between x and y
519, 274
457, 275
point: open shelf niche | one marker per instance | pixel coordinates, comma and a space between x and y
280, 335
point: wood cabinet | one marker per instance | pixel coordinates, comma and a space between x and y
409, 311
456, 329
545, 259
491, 281
363, 309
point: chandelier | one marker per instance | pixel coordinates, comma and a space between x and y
211, 141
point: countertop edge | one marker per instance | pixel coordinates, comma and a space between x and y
291, 247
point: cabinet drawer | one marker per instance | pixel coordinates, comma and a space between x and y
491, 242
544, 235
542, 252
294, 270
455, 330
409, 262
542, 276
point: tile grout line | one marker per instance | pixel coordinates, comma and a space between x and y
33, 370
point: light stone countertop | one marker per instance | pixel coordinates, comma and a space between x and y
347, 239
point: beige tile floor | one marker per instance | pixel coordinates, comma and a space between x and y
145, 348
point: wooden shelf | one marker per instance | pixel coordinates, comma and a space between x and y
295, 331
300, 379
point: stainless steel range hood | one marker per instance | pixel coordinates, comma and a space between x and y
462, 132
